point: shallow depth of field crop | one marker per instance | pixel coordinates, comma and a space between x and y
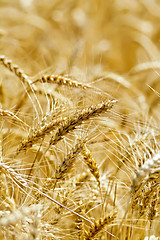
79, 119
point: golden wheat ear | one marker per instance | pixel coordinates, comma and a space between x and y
60, 80
68, 161
89, 160
78, 118
23, 78
99, 225
66, 124
15, 69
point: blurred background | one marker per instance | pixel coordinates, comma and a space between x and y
110, 35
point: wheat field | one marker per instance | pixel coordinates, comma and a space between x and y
79, 119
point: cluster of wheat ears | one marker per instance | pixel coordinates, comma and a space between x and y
79, 119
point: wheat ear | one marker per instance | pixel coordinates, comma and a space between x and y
77, 119
14, 68
99, 225
149, 167
91, 163
38, 134
19, 181
68, 161
67, 124
23, 77
60, 80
